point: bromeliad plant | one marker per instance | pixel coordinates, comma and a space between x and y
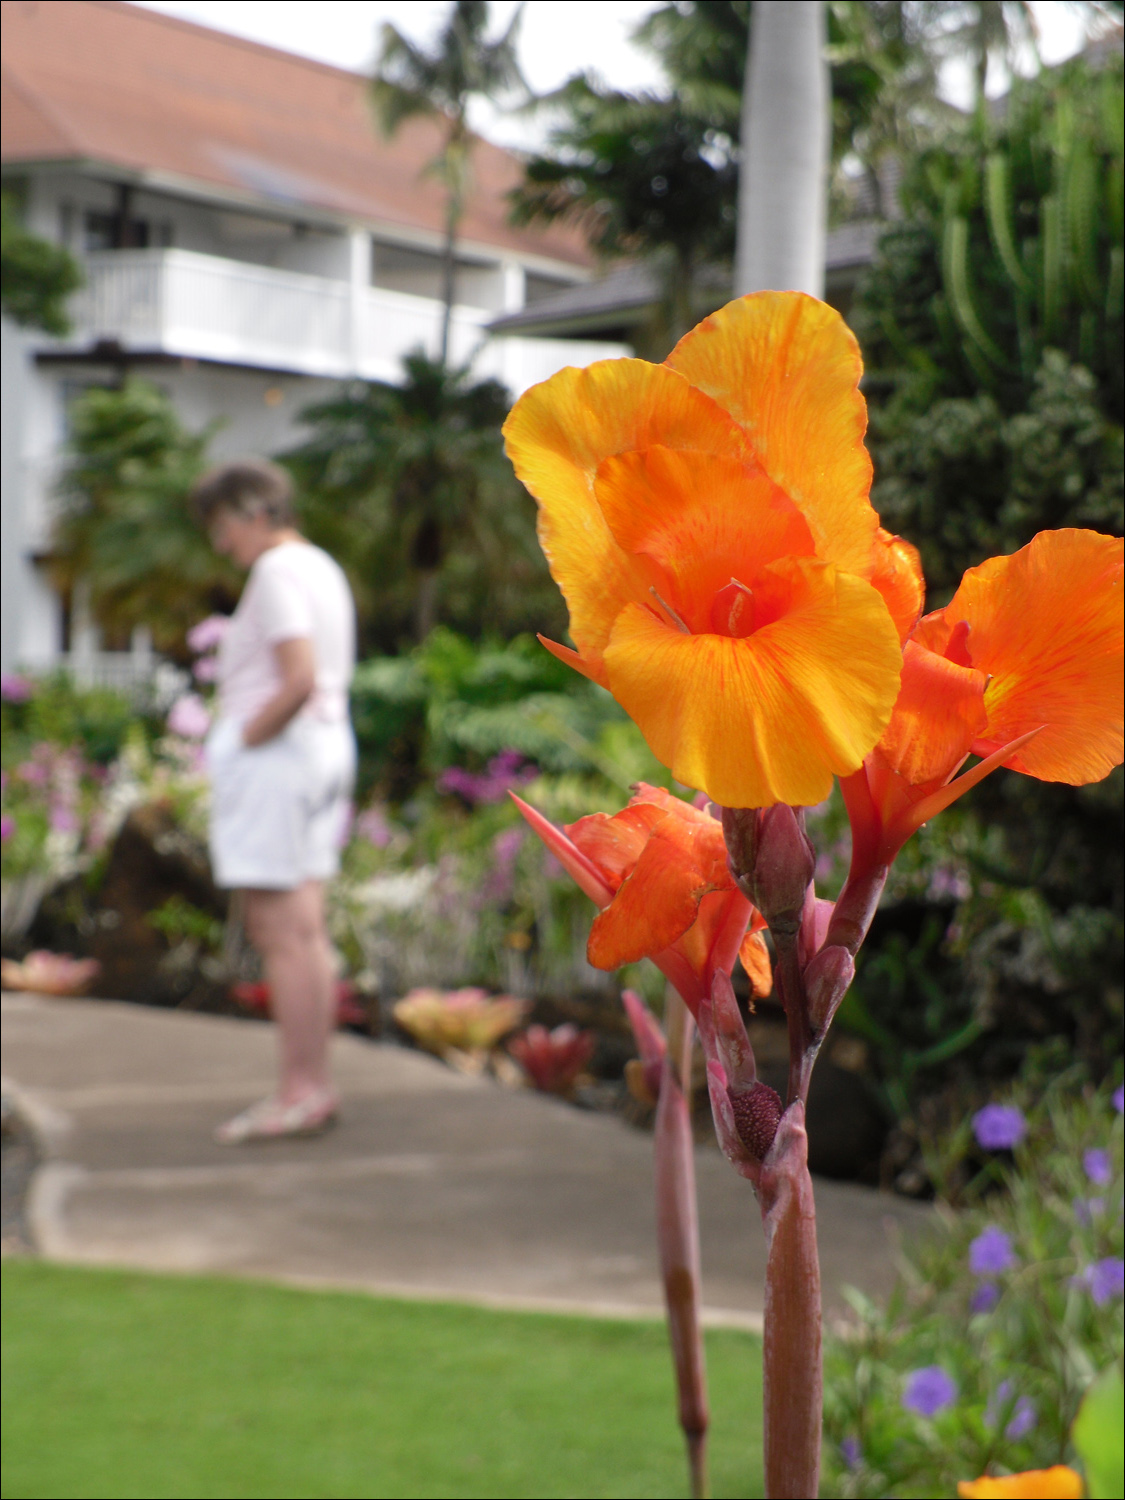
708, 521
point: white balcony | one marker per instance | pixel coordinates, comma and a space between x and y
181, 303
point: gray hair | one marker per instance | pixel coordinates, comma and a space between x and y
247, 487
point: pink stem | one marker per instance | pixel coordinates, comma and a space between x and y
793, 1378
677, 1234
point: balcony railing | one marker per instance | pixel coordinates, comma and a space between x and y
196, 306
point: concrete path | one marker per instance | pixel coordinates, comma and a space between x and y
434, 1184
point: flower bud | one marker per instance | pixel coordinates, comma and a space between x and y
827, 978
757, 1114
772, 860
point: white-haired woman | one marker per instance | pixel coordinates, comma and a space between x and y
281, 757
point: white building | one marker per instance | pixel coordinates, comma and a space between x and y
248, 239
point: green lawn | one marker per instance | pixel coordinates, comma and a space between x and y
121, 1384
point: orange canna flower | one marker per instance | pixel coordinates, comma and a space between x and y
1023, 667
708, 522
1055, 1483
658, 870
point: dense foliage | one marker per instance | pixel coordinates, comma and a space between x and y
991, 330
36, 277
125, 529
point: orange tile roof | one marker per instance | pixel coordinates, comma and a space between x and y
101, 81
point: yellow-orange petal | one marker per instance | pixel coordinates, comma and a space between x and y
787, 368
898, 577
659, 899
938, 714
556, 436
1046, 625
1056, 1483
756, 961
702, 518
773, 716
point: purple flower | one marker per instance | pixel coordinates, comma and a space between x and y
189, 717
502, 776
1097, 1164
1105, 1279
947, 882
999, 1127
1086, 1210
7, 828
1023, 1419
15, 688
206, 669
208, 633
1119, 1098
850, 1452
505, 847
929, 1391
984, 1298
991, 1253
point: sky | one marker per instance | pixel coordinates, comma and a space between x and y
557, 38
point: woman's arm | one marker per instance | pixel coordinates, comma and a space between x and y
297, 668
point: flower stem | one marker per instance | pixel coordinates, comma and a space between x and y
793, 1380
677, 1232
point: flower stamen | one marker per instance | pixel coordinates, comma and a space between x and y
669, 611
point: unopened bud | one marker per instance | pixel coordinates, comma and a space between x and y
827, 978
757, 1114
784, 863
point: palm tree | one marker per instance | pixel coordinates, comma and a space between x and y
783, 198
642, 176
440, 82
408, 485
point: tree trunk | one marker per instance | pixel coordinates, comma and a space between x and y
448, 276
782, 198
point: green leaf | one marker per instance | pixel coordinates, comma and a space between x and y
1099, 1437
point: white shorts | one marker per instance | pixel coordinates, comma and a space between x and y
279, 810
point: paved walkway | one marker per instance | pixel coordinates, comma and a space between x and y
433, 1185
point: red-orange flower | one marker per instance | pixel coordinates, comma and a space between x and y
658, 870
1055, 1483
708, 522
1023, 667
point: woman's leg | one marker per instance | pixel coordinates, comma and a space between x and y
287, 928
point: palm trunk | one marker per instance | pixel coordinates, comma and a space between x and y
782, 198
456, 166
448, 277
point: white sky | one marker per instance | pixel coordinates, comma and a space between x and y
558, 38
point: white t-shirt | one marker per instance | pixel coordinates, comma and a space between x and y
294, 591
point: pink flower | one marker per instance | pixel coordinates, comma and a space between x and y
372, 825
206, 669
15, 688
189, 717
209, 633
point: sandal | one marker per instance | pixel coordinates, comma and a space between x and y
270, 1120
